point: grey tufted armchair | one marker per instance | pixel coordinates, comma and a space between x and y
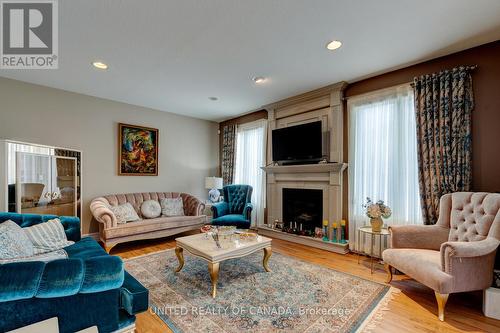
457, 254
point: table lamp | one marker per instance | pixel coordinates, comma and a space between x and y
213, 184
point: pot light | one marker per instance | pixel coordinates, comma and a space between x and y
333, 45
99, 65
259, 79
213, 98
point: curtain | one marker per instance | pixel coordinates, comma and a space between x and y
443, 103
250, 157
382, 159
228, 153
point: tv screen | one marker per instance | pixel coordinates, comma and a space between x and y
300, 143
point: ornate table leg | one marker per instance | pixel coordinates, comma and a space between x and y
213, 269
180, 257
267, 254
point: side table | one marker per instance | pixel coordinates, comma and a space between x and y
381, 234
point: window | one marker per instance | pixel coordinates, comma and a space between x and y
383, 157
250, 157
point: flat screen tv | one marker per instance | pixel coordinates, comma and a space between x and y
300, 144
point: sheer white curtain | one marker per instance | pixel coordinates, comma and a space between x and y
251, 141
383, 158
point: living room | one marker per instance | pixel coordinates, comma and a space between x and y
249, 166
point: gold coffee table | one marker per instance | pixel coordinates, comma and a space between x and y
203, 246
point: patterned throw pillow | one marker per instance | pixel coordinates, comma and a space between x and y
13, 241
150, 209
125, 213
172, 207
47, 236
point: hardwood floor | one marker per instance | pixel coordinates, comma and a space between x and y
414, 309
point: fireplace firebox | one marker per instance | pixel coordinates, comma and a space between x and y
303, 207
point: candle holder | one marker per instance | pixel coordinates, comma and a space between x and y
342, 232
335, 235
325, 231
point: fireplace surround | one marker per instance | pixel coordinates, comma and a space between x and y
323, 105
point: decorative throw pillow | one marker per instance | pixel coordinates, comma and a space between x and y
172, 206
13, 241
125, 213
150, 209
47, 236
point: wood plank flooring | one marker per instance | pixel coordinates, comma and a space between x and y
412, 310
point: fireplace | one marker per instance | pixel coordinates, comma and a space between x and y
304, 207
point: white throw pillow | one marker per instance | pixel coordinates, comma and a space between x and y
150, 209
13, 241
125, 213
172, 206
47, 236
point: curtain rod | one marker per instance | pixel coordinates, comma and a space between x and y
470, 68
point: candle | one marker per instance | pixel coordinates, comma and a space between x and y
325, 223
342, 223
334, 225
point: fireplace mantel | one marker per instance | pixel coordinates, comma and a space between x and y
306, 168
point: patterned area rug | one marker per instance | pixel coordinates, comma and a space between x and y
296, 296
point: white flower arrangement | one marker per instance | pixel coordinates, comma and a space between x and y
377, 209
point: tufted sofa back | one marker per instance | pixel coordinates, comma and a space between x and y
191, 204
237, 196
471, 216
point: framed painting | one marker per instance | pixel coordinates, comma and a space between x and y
137, 150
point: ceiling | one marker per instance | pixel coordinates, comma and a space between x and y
174, 55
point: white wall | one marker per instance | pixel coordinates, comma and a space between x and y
188, 148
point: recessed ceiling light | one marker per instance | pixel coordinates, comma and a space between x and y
259, 79
333, 45
213, 98
99, 65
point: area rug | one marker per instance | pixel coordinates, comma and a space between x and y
296, 296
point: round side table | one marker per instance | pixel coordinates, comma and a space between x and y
381, 234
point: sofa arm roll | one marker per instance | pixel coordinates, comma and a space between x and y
61, 278
220, 209
19, 280
102, 273
247, 211
101, 212
428, 237
192, 205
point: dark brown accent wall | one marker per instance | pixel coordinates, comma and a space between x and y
486, 114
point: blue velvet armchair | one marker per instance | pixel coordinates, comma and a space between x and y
236, 209
88, 288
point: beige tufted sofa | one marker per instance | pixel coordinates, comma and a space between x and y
457, 254
112, 233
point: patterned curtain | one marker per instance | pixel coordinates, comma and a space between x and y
443, 105
228, 153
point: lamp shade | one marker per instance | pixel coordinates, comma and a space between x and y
213, 182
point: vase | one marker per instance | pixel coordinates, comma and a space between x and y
376, 224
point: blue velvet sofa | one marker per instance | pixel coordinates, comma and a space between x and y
236, 209
88, 288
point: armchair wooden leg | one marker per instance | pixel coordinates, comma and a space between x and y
388, 269
441, 301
